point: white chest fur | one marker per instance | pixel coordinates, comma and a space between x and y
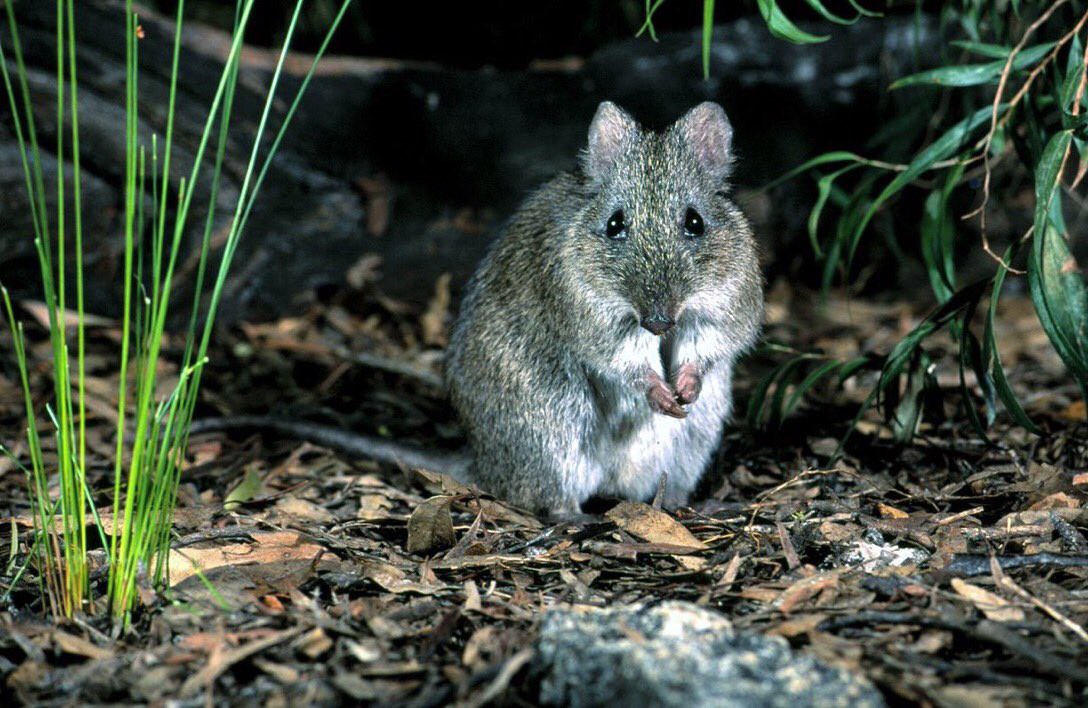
634, 446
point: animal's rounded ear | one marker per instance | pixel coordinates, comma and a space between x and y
707, 131
611, 131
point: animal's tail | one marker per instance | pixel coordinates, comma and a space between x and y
454, 464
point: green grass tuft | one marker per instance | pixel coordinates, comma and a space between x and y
152, 432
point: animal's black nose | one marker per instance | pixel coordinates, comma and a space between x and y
658, 323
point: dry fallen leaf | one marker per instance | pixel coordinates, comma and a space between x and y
492, 510
995, 607
651, 525
304, 511
71, 644
394, 580
374, 506
804, 589
267, 547
430, 527
655, 526
40, 312
1058, 500
379, 198
190, 517
890, 512
731, 570
28, 675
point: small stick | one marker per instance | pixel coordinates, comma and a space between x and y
988, 140
962, 515
968, 565
1008, 583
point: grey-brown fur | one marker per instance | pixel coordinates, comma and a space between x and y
563, 394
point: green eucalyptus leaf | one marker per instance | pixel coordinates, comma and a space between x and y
853, 366
831, 262
906, 415
975, 74
940, 317
1074, 70
969, 355
776, 411
942, 148
830, 16
936, 223
758, 400
783, 27
862, 11
853, 212
823, 187
991, 51
835, 156
1076, 123
990, 353
249, 488
903, 358
813, 377
999, 140
938, 236
1057, 287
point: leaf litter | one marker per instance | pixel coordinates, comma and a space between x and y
951, 570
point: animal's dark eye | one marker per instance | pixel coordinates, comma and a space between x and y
616, 227
693, 223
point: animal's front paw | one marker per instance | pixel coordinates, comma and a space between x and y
663, 399
688, 383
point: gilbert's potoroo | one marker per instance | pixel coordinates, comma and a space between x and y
595, 347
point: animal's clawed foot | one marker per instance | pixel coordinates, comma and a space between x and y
663, 399
688, 383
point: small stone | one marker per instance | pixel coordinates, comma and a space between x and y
678, 654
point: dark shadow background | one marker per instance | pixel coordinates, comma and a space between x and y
428, 126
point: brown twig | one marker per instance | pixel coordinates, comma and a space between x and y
1009, 584
961, 515
966, 565
1006, 71
987, 142
229, 532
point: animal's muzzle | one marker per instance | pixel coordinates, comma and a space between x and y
658, 323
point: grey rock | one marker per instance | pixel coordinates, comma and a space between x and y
678, 654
